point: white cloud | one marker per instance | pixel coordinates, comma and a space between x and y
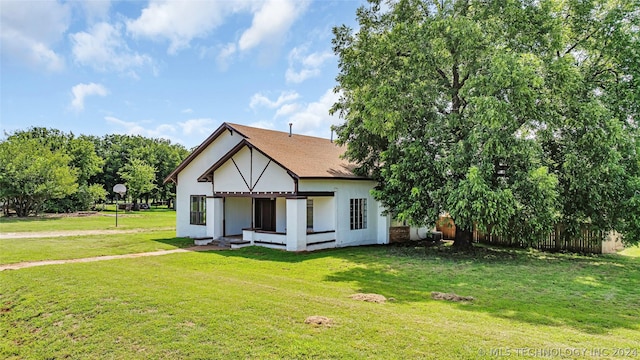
95, 9
81, 91
287, 109
197, 126
104, 49
224, 57
187, 111
30, 29
164, 131
271, 22
303, 66
262, 100
314, 118
181, 21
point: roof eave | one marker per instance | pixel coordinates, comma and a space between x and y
173, 176
245, 142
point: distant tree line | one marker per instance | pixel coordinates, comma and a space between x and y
47, 170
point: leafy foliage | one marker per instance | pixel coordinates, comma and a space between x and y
511, 116
139, 177
94, 163
118, 150
31, 174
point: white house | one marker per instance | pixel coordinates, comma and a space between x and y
275, 189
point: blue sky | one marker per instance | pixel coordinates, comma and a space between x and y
170, 69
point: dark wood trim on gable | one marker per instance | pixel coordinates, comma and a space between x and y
291, 173
225, 126
207, 176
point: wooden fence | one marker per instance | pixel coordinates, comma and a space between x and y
589, 241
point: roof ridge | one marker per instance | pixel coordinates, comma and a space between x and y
233, 125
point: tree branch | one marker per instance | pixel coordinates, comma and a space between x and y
579, 41
443, 76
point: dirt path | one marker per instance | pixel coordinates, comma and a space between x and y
29, 264
47, 234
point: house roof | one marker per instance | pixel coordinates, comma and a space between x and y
302, 156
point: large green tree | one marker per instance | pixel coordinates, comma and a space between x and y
31, 173
118, 150
82, 158
511, 116
139, 178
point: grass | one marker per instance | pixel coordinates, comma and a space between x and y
155, 233
631, 251
74, 247
103, 220
251, 303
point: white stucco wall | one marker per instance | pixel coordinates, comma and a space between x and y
188, 184
227, 178
296, 224
256, 174
215, 216
237, 215
323, 213
344, 190
275, 178
281, 214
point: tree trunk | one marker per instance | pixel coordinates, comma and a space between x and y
463, 239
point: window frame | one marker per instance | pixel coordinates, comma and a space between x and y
199, 215
309, 214
358, 213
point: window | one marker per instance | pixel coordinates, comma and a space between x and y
358, 211
309, 214
198, 210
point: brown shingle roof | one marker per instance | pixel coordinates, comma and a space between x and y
304, 156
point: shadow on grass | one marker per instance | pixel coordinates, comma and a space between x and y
13, 219
593, 294
179, 242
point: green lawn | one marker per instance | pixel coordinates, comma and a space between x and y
252, 303
103, 220
631, 251
74, 247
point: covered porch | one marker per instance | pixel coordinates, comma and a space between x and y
276, 220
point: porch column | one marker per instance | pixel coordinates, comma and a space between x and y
384, 222
297, 224
215, 215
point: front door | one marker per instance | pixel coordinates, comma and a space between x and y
265, 215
